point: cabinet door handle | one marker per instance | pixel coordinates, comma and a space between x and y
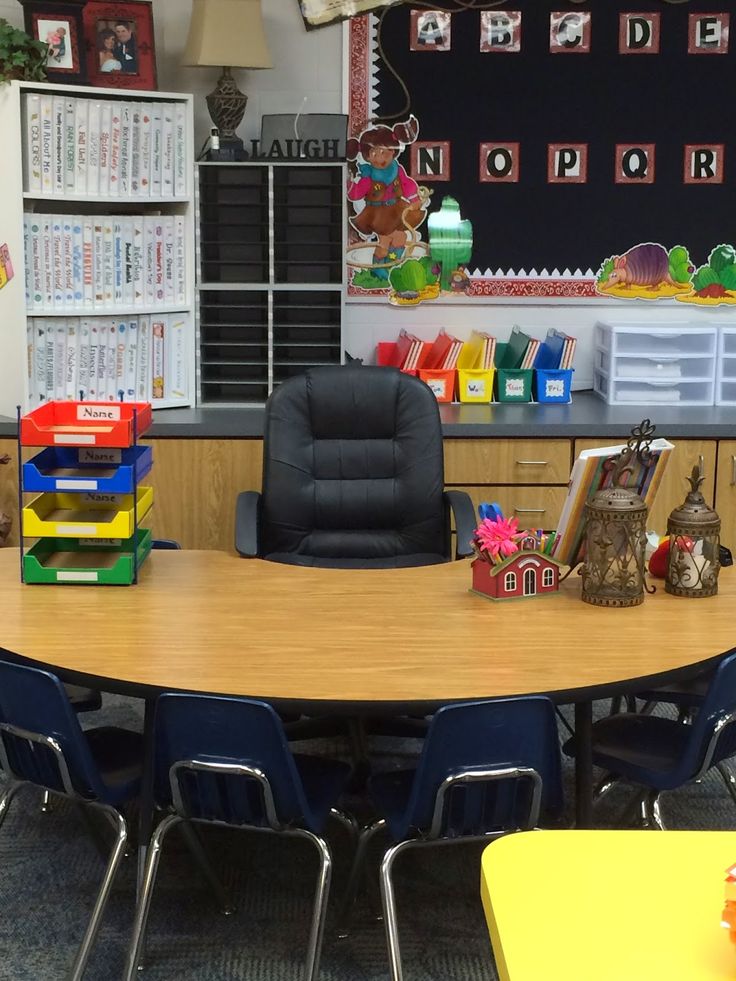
531, 463
733, 471
530, 510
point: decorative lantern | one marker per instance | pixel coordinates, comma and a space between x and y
615, 531
695, 537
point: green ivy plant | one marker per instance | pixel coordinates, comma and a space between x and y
21, 57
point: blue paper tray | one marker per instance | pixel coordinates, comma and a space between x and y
83, 469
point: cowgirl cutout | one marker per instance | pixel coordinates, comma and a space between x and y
393, 203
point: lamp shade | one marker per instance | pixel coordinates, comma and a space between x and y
227, 33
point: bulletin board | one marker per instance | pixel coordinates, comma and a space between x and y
534, 235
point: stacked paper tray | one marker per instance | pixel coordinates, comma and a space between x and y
85, 424
103, 469
105, 562
89, 515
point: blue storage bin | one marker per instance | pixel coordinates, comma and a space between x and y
89, 468
553, 384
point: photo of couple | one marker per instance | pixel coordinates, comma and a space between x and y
117, 50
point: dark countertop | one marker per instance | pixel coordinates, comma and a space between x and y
587, 415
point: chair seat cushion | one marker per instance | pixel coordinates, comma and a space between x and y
323, 781
119, 755
645, 749
83, 699
383, 562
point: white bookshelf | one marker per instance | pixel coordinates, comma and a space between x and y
17, 199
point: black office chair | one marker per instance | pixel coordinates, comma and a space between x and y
353, 478
353, 475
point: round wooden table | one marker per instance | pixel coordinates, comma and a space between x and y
371, 642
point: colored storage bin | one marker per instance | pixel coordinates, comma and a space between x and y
64, 560
85, 424
475, 384
107, 470
441, 381
514, 384
88, 515
552, 385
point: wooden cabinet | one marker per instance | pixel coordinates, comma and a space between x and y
9, 485
507, 461
726, 492
686, 454
535, 507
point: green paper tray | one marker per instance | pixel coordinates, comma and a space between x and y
69, 561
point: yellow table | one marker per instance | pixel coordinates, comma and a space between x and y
609, 905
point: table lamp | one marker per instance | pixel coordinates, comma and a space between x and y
227, 34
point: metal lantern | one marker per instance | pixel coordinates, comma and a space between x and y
695, 537
615, 531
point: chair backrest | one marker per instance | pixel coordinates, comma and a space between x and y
719, 703
226, 733
503, 734
165, 543
353, 466
34, 704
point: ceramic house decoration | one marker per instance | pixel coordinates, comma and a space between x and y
511, 564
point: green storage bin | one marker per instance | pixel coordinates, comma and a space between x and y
73, 561
514, 384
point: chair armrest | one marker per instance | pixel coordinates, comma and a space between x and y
465, 522
248, 524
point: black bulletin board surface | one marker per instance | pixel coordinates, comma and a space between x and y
601, 98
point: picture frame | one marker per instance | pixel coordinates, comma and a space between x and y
60, 25
119, 43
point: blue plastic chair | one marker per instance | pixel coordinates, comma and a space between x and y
657, 754
165, 543
42, 743
226, 761
486, 768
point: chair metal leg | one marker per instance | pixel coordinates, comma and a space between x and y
348, 822
729, 778
46, 802
651, 814
356, 873
6, 799
607, 783
389, 908
80, 962
146, 892
321, 896
204, 865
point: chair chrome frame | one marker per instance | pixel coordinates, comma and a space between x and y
433, 836
111, 814
179, 813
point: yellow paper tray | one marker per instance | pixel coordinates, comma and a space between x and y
84, 515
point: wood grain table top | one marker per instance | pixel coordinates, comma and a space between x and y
213, 622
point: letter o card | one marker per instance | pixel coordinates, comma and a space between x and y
569, 32
499, 163
567, 163
638, 33
500, 31
635, 163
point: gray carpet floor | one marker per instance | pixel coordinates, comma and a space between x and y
50, 870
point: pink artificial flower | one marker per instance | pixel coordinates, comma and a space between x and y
498, 537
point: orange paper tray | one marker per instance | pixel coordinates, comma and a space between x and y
84, 424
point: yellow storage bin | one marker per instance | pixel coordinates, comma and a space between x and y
475, 384
84, 515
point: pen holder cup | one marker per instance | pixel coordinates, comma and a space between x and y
475, 385
552, 385
514, 384
441, 381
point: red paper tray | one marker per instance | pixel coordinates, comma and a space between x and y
84, 424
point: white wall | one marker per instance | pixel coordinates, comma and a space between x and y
309, 64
